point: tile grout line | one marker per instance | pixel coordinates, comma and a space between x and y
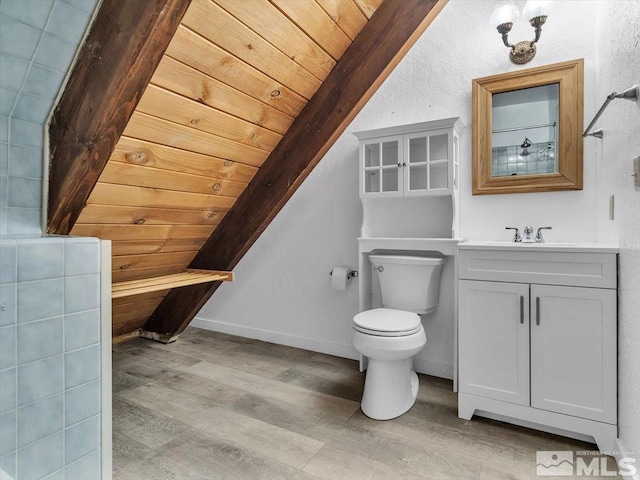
26, 74
64, 350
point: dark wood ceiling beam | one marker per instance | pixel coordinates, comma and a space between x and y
124, 46
381, 44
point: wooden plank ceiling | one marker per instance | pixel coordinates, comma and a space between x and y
230, 84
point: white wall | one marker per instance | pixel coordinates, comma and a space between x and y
283, 288
618, 43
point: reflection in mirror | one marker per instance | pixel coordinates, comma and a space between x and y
524, 135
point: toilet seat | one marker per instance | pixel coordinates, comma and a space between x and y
387, 322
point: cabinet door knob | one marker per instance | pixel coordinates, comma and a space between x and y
521, 309
537, 310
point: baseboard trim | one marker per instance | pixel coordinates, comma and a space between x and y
330, 348
339, 350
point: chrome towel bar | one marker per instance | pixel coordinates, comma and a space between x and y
632, 93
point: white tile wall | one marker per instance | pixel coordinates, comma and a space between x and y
41, 299
41, 458
40, 259
40, 379
81, 293
50, 390
38, 41
81, 329
39, 340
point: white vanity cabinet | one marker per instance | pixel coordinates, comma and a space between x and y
417, 159
537, 337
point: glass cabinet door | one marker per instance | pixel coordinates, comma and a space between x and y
371, 170
427, 167
416, 167
419, 163
381, 167
439, 162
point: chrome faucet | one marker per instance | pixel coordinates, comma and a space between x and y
528, 231
539, 238
516, 236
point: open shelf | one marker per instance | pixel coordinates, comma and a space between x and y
188, 277
446, 246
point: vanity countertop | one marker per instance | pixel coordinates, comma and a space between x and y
540, 247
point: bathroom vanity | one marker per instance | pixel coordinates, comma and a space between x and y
537, 337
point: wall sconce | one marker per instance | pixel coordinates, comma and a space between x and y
505, 12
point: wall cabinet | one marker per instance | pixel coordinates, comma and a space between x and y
536, 350
418, 159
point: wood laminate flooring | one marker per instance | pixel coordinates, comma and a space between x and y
216, 406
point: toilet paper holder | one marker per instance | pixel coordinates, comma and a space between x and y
351, 274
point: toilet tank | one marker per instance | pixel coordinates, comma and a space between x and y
408, 282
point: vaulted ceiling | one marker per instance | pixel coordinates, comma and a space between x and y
186, 126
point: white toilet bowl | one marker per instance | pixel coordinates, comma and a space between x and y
389, 339
390, 336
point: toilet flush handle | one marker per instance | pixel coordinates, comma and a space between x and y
380, 269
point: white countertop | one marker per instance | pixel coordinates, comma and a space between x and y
543, 247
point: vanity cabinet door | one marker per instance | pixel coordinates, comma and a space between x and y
494, 340
573, 351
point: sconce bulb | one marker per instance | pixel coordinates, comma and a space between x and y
536, 8
504, 11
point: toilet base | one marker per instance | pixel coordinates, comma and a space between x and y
390, 388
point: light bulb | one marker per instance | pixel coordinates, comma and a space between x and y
536, 8
504, 11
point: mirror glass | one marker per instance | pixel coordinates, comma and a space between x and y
525, 131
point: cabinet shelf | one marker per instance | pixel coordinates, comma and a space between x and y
188, 277
446, 246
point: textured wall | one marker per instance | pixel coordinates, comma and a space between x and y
618, 44
38, 41
282, 288
50, 358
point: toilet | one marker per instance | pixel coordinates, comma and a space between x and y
392, 335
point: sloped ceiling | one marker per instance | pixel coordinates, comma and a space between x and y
233, 79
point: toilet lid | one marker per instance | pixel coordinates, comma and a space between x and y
387, 322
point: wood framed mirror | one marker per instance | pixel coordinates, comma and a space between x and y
527, 128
